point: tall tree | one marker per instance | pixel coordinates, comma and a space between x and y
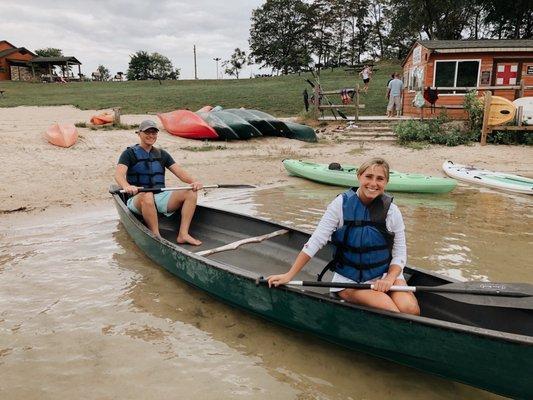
280, 35
145, 66
104, 73
509, 22
234, 65
49, 52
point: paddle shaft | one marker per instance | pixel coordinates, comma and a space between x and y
171, 189
495, 291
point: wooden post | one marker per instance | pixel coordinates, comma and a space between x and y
522, 89
116, 121
316, 99
519, 115
485, 130
356, 102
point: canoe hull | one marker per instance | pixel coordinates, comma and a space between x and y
398, 182
187, 124
489, 362
62, 135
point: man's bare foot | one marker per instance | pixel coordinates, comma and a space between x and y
182, 239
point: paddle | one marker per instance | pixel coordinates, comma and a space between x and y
473, 288
171, 189
317, 80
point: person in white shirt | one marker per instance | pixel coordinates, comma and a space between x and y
366, 74
353, 221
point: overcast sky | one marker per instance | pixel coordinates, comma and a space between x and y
108, 32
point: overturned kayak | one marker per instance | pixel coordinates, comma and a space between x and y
301, 132
260, 124
62, 135
483, 177
345, 176
240, 126
280, 126
222, 129
103, 119
483, 340
187, 124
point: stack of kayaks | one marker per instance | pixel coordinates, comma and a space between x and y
228, 124
495, 180
346, 176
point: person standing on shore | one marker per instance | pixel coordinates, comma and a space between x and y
143, 166
394, 95
366, 74
368, 232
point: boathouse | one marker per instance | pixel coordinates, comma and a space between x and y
447, 69
20, 64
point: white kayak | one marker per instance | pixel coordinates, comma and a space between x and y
496, 180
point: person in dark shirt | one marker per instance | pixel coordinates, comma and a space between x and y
143, 166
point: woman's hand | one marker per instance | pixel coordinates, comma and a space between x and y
276, 280
131, 190
383, 285
196, 186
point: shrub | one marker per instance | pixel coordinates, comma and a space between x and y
474, 108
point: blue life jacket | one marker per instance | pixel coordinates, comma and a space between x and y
147, 170
363, 245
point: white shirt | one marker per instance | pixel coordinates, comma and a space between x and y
333, 219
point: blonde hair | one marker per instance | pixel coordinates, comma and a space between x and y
374, 162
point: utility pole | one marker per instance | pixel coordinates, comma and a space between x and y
217, 59
195, 70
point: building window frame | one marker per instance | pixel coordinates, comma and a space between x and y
457, 61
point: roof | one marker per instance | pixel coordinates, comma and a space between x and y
476, 44
473, 46
52, 60
6, 52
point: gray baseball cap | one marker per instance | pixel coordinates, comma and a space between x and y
147, 124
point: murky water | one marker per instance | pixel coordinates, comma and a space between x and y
84, 314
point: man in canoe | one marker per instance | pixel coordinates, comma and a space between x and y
368, 232
143, 166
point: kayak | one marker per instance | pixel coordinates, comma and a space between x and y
483, 177
281, 127
260, 124
102, 119
240, 126
346, 176
222, 129
301, 132
481, 340
187, 124
62, 135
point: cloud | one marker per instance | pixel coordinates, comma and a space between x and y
108, 32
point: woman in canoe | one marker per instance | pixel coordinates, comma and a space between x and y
143, 165
368, 232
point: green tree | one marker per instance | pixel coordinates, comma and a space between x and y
49, 52
508, 21
104, 73
280, 35
139, 68
234, 65
161, 68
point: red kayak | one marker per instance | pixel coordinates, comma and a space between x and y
62, 135
187, 124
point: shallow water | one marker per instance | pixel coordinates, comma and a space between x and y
84, 314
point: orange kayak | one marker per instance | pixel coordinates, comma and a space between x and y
187, 124
205, 109
62, 135
102, 119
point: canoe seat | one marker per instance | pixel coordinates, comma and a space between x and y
238, 243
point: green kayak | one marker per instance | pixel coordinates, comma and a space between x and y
302, 132
346, 176
240, 126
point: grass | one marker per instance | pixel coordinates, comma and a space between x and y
280, 96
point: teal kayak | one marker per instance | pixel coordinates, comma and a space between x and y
346, 176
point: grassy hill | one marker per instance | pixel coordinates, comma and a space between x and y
281, 96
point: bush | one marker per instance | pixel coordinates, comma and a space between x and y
431, 131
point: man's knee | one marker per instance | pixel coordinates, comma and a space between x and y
147, 199
191, 194
409, 307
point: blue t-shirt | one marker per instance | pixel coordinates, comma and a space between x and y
396, 87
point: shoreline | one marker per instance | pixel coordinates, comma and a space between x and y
40, 176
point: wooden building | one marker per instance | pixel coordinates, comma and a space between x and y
454, 67
14, 62
20, 64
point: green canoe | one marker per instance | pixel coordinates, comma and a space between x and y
224, 132
302, 132
481, 340
346, 176
242, 128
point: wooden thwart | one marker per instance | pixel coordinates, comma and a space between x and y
235, 245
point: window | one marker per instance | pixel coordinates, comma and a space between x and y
458, 74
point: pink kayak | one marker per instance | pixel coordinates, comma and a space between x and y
62, 135
187, 124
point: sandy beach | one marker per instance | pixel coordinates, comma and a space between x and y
38, 175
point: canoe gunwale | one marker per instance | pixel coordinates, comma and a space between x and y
240, 272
